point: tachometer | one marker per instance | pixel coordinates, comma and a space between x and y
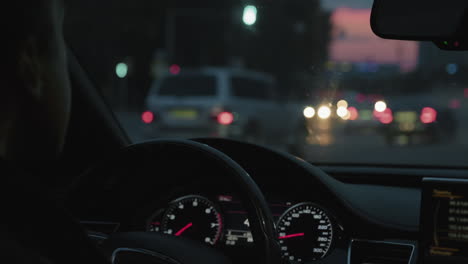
193, 217
305, 233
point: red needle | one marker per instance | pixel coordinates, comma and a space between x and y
183, 229
292, 235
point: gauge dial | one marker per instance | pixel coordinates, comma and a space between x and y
305, 233
193, 217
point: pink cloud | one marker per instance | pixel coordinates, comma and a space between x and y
354, 41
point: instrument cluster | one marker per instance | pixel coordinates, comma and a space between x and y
306, 231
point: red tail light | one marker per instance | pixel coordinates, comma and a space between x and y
385, 117
353, 112
174, 69
428, 115
147, 117
225, 118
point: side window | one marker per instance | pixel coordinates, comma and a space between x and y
250, 89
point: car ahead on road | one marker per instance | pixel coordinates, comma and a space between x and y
222, 102
361, 108
323, 117
416, 120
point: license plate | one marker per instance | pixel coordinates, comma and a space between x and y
186, 114
406, 117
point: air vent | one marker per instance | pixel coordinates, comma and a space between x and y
379, 252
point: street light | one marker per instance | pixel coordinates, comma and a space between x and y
250, 15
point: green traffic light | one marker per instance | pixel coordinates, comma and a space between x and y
121, 70
250, 15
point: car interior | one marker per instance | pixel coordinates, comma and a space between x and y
223, 200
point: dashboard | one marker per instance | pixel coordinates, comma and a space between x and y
321, 215
306, 231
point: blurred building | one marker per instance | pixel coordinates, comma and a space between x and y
356, 43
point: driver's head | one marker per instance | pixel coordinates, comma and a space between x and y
34, 84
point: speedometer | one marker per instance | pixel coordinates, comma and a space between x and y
305, 233
193, 217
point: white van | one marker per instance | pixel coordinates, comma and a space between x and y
221, 102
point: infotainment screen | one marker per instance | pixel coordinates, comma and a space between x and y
444, 221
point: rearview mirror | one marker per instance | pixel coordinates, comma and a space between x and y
444, 22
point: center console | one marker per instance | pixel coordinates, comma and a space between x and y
444, 221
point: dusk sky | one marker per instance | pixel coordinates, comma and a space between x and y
354, 41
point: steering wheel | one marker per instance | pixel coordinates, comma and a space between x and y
137, 246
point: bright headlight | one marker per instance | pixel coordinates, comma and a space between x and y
324, 112
342, 111
309, 112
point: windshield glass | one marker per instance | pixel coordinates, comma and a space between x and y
304, 76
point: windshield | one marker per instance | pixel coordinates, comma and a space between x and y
304, 76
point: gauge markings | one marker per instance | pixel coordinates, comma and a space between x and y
305, 233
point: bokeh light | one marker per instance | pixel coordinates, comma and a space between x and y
250, 15
342, 111
121, 70
380, 106
353, 112
309, 112
147, 117
324, 112
342, 103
